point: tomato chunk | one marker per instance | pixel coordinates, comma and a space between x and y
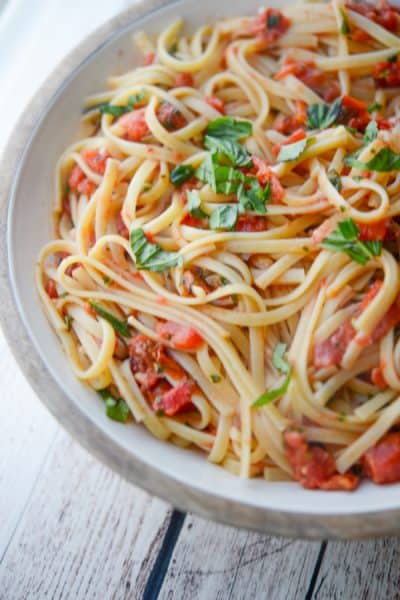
177, 399
265, 175
380, 12
184, 79
269, 26
216, 103
387, 73
96, 159
134, 125
381, 463
374, 231
296, 136
78, 182
289, 124
322, 83
149, 59
51, 289
170, 117
249, 223
378, 378
181, 337
330, 352
313, 467
354, 113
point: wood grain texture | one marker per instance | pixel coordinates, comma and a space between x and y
213, 562
368, 570
85, 533
27, 431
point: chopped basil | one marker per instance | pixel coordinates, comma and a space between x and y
392, 59
107, 280
268, 397
278, 358
228, 128
221, 178
194, 203
180, 174
371, 132
373, 107
321, 116
293, 151
68, 321
273, 20
116, 110
215, 378
344, 28
116, 408
384, 161
335, 180
346, 238
230, 149
224, 217
119, 326
253, 197
149, 256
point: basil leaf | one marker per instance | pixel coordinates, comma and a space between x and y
344, 28
194, 203
278, 358
392, 59
384, 161
224, 217
268, 397
253, 197
119, 326
293, 151
117, 111
234, 152
335, 180
371, 132
180, 174
215, 378
206, 172
321, 116
373, 107
346, 238
229, 128
149, 256
221, 178
116, 409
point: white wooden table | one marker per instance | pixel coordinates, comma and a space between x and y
70, 528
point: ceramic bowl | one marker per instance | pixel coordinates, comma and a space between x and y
181, 477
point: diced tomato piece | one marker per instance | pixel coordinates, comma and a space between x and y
170, 117
122, 228
181, 337
265, 175
66, 206
96, 159
380, 12
216, 103
193, 277
134, 125
330, 352
51, 289
387, 74
86, 187
249, 223
384, 124
378, 378
313, 467
184, 79
269, 26
177, 399
121, 351
381, 463
288, 124
76, 177
148, 361
323, 230
354, 113
374, 231
149, 59
191, 221
296, 136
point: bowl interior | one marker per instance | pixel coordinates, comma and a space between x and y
29, 228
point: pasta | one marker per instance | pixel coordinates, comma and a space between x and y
225, 265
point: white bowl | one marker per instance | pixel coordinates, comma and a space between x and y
183, 478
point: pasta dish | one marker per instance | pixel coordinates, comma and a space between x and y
225, 263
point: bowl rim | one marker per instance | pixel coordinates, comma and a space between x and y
310, 525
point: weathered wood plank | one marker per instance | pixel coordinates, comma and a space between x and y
360, 571
27, 431
85, 533
218, 562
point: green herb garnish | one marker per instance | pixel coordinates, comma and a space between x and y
180, 174
68, 321
344, 27
116, 110
283, 367
293, 151
335, 180
321, 116
119, 326
228, 128
373, 107
371, 132
149, 256
116, 408
194, 204
215, 378
384, 161
224, 217
346, 238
